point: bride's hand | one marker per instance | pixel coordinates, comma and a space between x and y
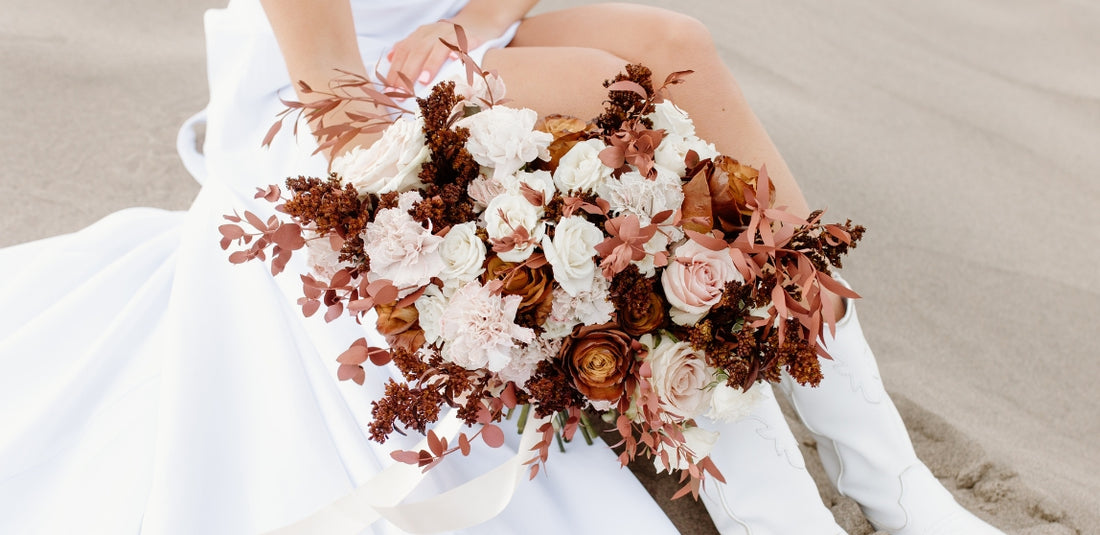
420, 55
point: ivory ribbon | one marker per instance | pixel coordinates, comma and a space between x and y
467, 505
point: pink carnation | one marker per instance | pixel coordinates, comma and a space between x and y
479, 329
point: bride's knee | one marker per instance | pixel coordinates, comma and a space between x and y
664, 33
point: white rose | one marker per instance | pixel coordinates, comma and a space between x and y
580, 169
729, 404
673, 150
570, 253
680, 376
430, 307
463, 254
510, 211
674, 121
390, 164
698, 440
505, 139
695, 279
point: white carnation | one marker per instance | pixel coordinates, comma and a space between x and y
504, 138
635, 194
698, 440
390, 164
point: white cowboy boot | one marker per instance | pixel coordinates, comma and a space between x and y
768, 490
865, 447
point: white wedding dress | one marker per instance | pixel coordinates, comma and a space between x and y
149, 386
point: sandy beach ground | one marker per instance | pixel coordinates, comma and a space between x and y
964, 135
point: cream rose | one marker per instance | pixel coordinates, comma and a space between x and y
580, 169
680, 377
390, 164
698, 440
673, 149
729, 404
505, 139
507, 212
570, 253
463, 254
674, 121
695, 279
430, 307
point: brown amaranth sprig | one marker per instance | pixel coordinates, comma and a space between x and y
451, 167
331, 207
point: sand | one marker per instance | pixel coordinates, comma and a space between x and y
963, 135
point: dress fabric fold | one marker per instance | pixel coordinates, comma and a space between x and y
150, 386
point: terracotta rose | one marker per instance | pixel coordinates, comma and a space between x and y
599, 358
400, 326
532, 285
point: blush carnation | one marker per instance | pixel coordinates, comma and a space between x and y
592, 306
401, 249
479, 330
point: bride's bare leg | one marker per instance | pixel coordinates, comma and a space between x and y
666, 41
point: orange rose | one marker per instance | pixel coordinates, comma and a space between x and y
567, 131
400, 326
599, 358
727, 191
533, 285
637, 322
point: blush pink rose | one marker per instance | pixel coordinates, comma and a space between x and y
694, 282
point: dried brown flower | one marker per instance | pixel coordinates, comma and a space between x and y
600, 358
534, 285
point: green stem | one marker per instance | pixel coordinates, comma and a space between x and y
523, 418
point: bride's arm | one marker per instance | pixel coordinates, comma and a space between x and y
420, 55
315, 38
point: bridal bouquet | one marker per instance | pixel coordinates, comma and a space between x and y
620, 266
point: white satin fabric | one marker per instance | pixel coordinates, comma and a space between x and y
149, 386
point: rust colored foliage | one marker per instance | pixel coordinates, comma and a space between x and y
331, 208
451, 167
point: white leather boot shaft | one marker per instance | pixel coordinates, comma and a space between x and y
865, 447
768, 490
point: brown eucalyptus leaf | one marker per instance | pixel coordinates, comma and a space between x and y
334, 311
463, 443
354, 373
354, 355
628, 85
696, 211
255, 221
239, 257
405, 456
341, 278
492, 435
310, 307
